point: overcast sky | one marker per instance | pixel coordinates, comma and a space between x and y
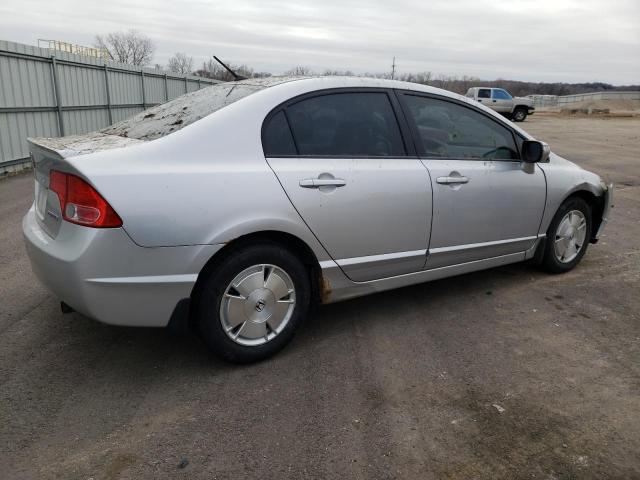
535, 40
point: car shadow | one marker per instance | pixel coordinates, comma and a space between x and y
155, 346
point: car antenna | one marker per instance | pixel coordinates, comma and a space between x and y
235, 75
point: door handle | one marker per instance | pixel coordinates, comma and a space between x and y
452, 180
322, 182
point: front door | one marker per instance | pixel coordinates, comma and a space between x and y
486, 202
348, 174
501, 101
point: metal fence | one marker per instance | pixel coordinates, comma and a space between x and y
559, 101
48, 93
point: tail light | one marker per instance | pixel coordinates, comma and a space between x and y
80, 203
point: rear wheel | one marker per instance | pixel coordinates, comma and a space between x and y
568, 236
250, 306
519, 114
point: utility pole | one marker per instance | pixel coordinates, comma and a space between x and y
393, 68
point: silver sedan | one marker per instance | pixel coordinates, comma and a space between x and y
235, 208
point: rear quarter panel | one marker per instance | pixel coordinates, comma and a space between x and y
208, 183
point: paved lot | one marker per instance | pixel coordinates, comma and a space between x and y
404, 384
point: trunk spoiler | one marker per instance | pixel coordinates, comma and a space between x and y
75, 145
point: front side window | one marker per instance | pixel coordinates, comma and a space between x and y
346, 124
484, 93
450, 130
501, 95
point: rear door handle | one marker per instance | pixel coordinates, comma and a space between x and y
452, 180
322, 182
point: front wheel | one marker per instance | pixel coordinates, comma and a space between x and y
519, 115
251, 304
568, 236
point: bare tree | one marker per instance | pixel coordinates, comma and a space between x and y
299, 71
337, 73
421, 77
127, 47
180, 63
212, 69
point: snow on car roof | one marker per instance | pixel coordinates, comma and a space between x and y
171, 116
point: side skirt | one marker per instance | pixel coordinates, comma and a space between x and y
337, 287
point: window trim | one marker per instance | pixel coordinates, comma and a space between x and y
404, 128
416, 135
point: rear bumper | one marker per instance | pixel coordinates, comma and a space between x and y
102, 274
531, 110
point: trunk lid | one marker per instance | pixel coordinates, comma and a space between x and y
50, 154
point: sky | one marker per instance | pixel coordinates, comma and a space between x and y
529, 40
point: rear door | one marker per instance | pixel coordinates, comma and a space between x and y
484, 96
486, 202
342, 159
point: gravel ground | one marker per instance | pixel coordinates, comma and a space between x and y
504, 374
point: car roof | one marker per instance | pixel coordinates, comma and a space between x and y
182, 111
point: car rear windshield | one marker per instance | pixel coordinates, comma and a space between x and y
184, 110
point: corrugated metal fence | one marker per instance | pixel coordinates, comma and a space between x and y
47, 93
559, 101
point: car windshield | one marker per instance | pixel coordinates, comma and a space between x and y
171, 116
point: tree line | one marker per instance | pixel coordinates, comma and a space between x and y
135, 48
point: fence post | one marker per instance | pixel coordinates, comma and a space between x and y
186, 87
144, 98
56, 94
199, 86
106, 84
166, 89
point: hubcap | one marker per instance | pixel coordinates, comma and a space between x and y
257, 304
570, 236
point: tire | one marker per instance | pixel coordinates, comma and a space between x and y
567, 238
233, 301
519, 114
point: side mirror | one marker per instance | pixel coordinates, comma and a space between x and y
534, 151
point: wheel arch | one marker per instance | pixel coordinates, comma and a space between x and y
294, 244
596, 203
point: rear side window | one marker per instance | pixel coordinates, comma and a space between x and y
449, 130
276, 137
346, 124
484, 93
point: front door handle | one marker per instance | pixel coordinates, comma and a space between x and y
454, 180
322, 182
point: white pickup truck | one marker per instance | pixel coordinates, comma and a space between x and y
515, 108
